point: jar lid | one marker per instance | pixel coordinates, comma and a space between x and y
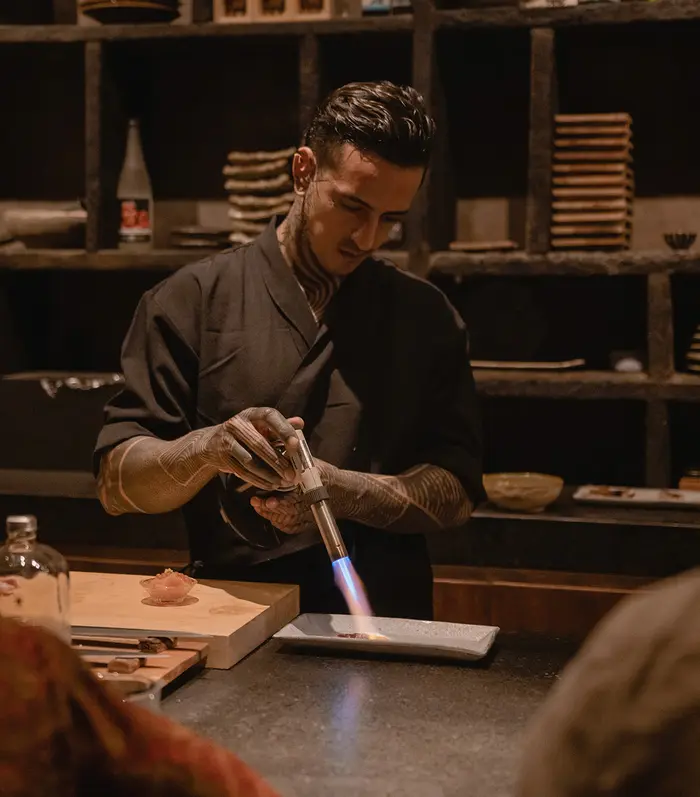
21, 523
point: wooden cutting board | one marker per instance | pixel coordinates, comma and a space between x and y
188, 653
236, 617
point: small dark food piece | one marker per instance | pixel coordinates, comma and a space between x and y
613, 492
362, 636
152, 645
126, 666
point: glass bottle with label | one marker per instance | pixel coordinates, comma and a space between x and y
34, 579
135, 196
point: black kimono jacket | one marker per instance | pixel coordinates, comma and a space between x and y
384, 384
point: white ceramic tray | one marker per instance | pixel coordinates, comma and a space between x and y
403, 637
638, 496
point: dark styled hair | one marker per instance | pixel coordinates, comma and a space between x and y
381, 118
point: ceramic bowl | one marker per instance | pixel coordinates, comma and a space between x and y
680, 240
110, 12
522, 492
168, 587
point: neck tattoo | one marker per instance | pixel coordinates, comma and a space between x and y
318, 285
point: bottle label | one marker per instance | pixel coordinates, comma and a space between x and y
135, 224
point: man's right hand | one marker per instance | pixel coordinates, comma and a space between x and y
243, 446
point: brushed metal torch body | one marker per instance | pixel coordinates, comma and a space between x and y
310, 485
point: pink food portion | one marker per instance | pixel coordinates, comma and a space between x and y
169, 585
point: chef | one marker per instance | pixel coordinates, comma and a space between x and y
305, 327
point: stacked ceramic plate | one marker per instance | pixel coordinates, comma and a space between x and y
259, 186
593, 181
200, 237
111, 12
692, 358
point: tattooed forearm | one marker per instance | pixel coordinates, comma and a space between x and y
423, 499
149, 475
185, 459
146, 474
109, 482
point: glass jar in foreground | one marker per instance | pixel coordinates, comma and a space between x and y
34, 579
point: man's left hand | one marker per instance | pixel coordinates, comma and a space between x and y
287, 512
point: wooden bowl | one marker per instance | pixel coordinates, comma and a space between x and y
522, 492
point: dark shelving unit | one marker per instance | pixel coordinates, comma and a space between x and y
428, 48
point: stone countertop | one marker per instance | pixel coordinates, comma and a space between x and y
321, 725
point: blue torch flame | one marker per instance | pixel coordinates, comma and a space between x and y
345, 575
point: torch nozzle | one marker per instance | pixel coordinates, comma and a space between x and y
312, 487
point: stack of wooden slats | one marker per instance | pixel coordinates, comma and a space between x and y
692, 357
259, 186
592, 181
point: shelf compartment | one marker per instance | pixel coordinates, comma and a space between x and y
553, 319
598, 442
485, 164
684, 427
385, 56
43, 137
196, 101
685, 290
660, 65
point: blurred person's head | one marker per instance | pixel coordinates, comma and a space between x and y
624, 720
65, 734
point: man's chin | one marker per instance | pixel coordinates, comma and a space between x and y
346, 264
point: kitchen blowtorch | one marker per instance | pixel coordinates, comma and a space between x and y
316, 496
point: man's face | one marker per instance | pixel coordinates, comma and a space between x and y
351, 205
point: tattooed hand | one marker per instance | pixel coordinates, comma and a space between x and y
243, 446
145, 474
425, 498
289, 512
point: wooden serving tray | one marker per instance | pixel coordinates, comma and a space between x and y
235, 617
188, 654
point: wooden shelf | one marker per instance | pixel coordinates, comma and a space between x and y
563, 384
460, 264
566, 510
586, 385
105, 260
682, 387
455, 264
499, 17
589, 14
63, 34
432, 222
48, 483
116, 259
